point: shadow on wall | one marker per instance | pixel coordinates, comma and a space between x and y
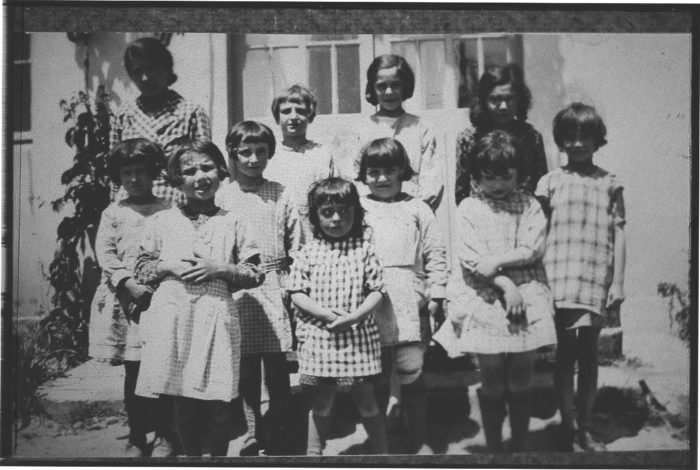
103, 56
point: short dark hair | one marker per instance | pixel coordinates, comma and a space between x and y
495, 153
137, 151
196, 146
150, 49
335, 190
497, 75
579, 117
295, 94
385, 62
385, 153
249, 132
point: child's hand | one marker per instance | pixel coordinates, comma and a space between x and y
615, 296
487, 266
138, 292
341, 323
175, 268
202, 269
514, 301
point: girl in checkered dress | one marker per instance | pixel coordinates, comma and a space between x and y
114, 324
335, 284
500, 305
266, 334
585, 262
158, 114
412, 253
200, 254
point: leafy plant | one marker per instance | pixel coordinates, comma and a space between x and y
678, 308
73, 273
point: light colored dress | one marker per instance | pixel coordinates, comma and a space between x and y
265, 325
297, 169
337, 274
580, 244
177, 120
191, 331
117, 246
411, 251
484, 227
417, 135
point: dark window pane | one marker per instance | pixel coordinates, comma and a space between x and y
468, 72
349, 79
320, 78
20, 98
21, 46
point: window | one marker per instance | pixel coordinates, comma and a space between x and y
448, 67
330, 65
21, 80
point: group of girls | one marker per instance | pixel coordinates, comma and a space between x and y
197, 288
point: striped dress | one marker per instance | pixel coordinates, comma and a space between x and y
337, 274
265, 325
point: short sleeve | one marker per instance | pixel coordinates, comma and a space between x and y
470, 245
532, 230
300, 275
373, 269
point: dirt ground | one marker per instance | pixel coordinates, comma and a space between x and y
624, 420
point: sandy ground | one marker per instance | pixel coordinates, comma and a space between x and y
624, 419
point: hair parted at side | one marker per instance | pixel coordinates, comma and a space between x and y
495, 153
385, 153
579, 117
252, 132
295, 94
387, 61
173, 170
497, 75
137, 151
335, 190
150, 49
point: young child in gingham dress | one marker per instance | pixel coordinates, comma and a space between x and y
191, 331
585, 264
266, 334
159, 114
335, 283
500, 305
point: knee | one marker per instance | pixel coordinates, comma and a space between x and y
409, 377
409, 364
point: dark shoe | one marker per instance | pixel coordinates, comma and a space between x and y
162, 448
587, 442
250, 448
493, 412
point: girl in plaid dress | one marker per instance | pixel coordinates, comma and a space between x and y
500, 305
200, 254
412, 253
335, 284
266, 334
114, 323
503, 101
585, 263
159, 114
